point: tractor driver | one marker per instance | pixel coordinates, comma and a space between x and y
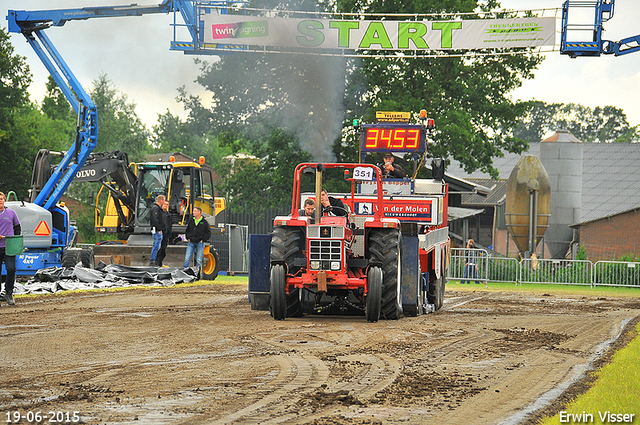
331, 205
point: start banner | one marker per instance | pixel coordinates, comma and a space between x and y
379, 35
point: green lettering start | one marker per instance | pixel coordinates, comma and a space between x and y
410, 34
413, 31
343, 28
446, 37
376, 34
311, 34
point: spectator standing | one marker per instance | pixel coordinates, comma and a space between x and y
391, 170
9, 226
166, 233
470, 263
198, 232
157, 227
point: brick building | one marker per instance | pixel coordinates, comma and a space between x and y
611, 237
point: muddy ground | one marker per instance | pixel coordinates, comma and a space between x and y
195, 355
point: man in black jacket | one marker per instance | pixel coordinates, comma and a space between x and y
198, 232
166, 233
157, 227
331, 205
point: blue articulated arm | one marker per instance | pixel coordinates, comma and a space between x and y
32, 25
585, 39
622, 47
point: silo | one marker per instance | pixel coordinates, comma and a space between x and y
528, 203
561, 155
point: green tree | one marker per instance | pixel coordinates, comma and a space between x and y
602, 124
257, 186
55, 105
16, 142
119, 127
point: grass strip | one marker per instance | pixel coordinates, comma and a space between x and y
614, 397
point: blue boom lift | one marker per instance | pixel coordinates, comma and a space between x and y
48, 232
584, 38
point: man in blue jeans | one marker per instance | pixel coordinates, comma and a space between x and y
198, 232
157, 223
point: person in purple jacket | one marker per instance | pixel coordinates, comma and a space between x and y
9, 226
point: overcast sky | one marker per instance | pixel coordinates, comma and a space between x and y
134, 53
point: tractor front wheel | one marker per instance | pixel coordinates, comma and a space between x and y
87, 258
71, 257
278, 292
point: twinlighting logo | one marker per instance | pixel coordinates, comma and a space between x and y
241, 30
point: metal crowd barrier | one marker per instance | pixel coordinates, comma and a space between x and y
560, 272
616, 273
551, 271
459, 268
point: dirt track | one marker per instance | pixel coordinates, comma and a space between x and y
200, 355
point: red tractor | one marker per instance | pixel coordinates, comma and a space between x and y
386, 254
319, 258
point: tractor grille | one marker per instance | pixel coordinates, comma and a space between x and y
324, 252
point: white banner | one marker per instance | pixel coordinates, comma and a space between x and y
380, 35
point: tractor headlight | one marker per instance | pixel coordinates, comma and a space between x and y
335, 265
314, 265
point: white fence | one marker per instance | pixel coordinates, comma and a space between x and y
560, 272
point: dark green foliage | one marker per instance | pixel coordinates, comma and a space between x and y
17, 138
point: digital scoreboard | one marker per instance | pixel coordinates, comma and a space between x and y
392, 138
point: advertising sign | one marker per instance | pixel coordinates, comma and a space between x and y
379, 35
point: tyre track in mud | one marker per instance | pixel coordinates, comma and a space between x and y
200, 355
310, 373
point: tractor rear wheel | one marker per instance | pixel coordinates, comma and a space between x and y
374, 294
286, 246
278, 292
385, 248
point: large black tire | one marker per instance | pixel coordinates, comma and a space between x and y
373, 302
435, 295
71, 257
210, 265
277, 291
385, 248
287, 245
87, 258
